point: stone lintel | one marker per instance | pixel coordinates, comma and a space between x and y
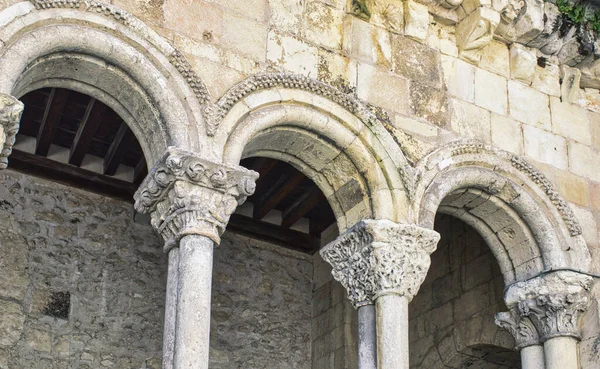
380, 257
11, 111
188, 195
554, 302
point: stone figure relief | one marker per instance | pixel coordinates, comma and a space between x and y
11, 111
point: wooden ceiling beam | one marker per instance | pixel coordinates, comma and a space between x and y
272, 233
57, 101
94, 115
302, 206
140, 172
117, 149
279, 191
71, 175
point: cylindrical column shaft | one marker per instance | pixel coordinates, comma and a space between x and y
192, 332
561, 353
532, 357
170, 309
367, 337
392, 332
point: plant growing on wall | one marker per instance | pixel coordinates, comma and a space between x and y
579, 14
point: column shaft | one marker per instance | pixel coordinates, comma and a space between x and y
392, 332
561, 353
170, 309
192, 333
367, 338
532, 357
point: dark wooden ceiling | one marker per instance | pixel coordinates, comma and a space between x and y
85, 126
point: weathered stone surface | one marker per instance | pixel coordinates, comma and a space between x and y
380, 88
469, 120
416, 61
417, 20
459, 78
323, 24
535, 112
11, 322
429, 104
292, 54
569, 87
507, 134
366, 42
545, 147
522, 63
490, 91
475, 32
547, 79
570, 121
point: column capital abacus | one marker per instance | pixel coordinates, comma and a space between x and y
11, 111
554, 302
520, 327
188, 195
380, 257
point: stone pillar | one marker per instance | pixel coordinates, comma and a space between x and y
383, 263
190, 201
11, 110
527, 339
554, 303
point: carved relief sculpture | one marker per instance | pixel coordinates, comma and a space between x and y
554, 302
11, 110
379, 257
186, 194
520, 327
475, 32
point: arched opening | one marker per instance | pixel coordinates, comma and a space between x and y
452, 316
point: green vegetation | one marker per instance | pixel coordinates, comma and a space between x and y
577, 14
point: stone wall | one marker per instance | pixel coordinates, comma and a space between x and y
452, 316
83, 286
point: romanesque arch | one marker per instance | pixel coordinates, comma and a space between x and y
332, 137
100, 50
525, 221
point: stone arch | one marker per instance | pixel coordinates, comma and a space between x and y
97, 49
330, 136
525, 221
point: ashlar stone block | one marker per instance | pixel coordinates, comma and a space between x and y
490, 91
459, 77
545, 147
507, 134
583, 160
470, 121
522, 63
323, 25
291, 53
417, 20
569, 87
570, 121
528, 105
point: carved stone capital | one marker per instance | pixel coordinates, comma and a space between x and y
554, 302
188, 195
11, 110
475, 32
520, 327
379, 257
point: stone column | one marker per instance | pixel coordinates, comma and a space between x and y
554, 303
383, 263
190, 201
527, 339
11, 110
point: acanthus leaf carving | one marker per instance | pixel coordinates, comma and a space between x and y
11, 111
554, 302
379, 257
520, 327
186, 194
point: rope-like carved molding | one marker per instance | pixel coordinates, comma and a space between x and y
176, 58
270, 80
367, 114
561, 205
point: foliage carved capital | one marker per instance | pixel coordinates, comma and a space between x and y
553, 302
520, 327
185, 194
380, 257
11, 111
